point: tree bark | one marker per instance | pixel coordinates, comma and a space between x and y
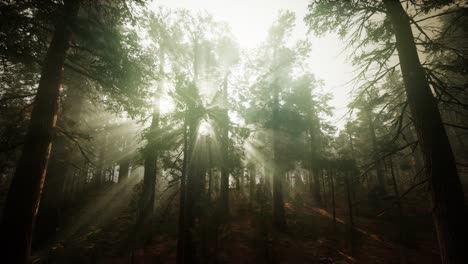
23, 198
53, 198
449, 208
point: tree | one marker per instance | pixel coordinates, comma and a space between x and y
395, 33
49, 20
450, 212
25, 190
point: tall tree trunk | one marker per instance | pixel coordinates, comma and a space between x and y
148, 192
224, 152
25, 190
279, 219
52, 196
193, 177
375, 154
192, 192
151, 156
192, 210
449, 208
182, 206
62, 154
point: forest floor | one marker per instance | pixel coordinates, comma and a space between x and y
246, 237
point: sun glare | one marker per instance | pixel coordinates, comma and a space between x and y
249, 22
205, 128
166, 105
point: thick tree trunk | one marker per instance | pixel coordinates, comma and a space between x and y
192, 193
25, 190
185, 244
449, 208
148, 192
192, 211
52, 198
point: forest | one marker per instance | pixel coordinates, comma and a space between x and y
133, 132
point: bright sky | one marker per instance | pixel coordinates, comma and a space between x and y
250, 21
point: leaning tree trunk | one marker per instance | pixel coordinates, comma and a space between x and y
47, 220
53, 194
449, 208
25, 190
